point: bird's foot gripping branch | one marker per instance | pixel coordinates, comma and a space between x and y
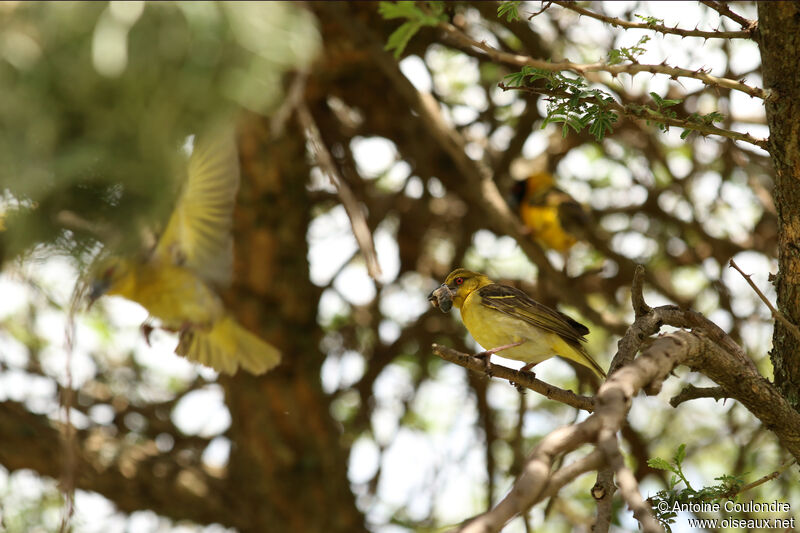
699, 344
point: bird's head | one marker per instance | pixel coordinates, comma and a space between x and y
455, 289
112, 276
535, 184
538, 182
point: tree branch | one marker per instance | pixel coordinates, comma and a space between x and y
521, 379
615, 70
351, 205
643, 112
660, 28
722, 8
776, 314
137, 477
690, 392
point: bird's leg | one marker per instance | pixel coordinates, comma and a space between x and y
487, 354
527, 368
147, 329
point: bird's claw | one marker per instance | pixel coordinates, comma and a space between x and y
147, 330
527, 370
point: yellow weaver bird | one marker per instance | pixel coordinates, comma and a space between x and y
555, 219
175, 281
505, 319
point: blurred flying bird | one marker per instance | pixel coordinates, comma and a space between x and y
505, 320
175, 281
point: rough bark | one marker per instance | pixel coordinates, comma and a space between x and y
779, 39
288, 463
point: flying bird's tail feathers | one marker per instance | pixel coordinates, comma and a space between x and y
227, 346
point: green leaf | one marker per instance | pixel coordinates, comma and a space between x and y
659, 464
395, 10
680, 454
650, 21
510, 10
417, 18
400, 37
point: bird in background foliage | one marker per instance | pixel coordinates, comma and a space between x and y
504, 319
175, 281
555, 219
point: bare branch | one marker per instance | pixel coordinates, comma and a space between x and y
357, 220
522, 379
776, 314
531, 485
536, 14
640, 308
628, 486
615, 70
660, 28
768, 477
722, 8
690, 392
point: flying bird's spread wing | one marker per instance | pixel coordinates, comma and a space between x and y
198, 234
515, 303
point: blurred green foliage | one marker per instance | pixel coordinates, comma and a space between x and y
99, 97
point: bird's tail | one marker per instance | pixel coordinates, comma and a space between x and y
580, 355
227, 346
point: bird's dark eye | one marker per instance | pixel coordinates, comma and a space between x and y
459, 281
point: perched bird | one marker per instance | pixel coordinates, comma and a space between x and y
505, 319
555, 220
175, 281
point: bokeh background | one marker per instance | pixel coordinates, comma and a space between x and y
361, 427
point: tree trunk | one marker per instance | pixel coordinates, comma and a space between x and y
288, 468
779, 39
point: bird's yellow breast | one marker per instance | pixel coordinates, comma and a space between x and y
491, 328
173, 294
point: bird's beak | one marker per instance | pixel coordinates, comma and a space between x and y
99, 288
442, 297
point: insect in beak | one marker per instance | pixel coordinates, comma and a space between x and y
442, 297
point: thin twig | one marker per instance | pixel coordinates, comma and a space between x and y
533, 15
690, 392
615, 70
294, 96
351, 205
768, 477
67, 396
660, 28
522, 379
776, 314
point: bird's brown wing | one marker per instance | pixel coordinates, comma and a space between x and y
573, 217
513, 302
